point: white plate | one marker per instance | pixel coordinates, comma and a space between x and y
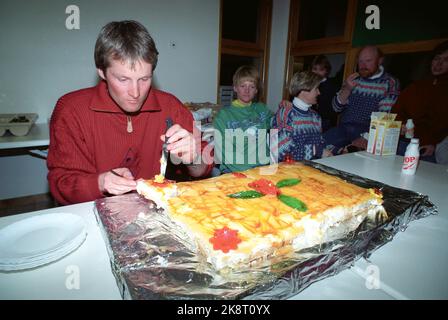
42, 260
40, 239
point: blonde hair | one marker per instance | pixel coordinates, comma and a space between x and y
303, 81
249, 73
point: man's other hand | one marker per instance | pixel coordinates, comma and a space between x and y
120, 181
360, 143
427, 150
327, 153
347, 87
350, 82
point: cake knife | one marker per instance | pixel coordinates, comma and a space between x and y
165, 153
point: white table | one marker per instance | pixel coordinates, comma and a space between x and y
413, 265
50, 282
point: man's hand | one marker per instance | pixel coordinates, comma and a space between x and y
360, 143
119, 183
350, 82
327, 153
428, 150
403, 130
285, 104
357, 145
182, 144
347, 87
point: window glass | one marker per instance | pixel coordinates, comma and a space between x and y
240, 20
229, 64
408, 67
321, 19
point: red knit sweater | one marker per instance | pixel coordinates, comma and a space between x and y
426, 102
88, 136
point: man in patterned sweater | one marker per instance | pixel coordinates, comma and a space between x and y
299, 127
369, 90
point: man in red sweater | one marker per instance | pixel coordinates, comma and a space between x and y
104, 138
426, 103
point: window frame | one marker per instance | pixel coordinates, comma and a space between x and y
335, 45
330, 45
259, 50
339, 41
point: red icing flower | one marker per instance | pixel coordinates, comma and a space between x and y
265, 187
289, 159
239, 175
225, 239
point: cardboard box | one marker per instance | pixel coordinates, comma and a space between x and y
204, 112
19, 124
384, 134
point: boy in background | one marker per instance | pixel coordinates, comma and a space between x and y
241, 128
328, 90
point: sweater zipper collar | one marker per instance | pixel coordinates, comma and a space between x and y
129, 128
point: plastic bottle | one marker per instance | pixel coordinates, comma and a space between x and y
409, 134
411, 157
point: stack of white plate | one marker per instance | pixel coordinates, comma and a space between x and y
39, 240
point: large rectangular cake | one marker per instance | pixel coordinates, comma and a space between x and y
239, 219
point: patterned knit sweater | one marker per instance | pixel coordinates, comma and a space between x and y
299, 133
369, 95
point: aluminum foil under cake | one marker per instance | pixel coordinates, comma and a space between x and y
150, 257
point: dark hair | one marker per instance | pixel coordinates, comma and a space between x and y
124, 40
322, 60
440, 48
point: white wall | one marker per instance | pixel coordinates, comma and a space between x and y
277, 61
40, 60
